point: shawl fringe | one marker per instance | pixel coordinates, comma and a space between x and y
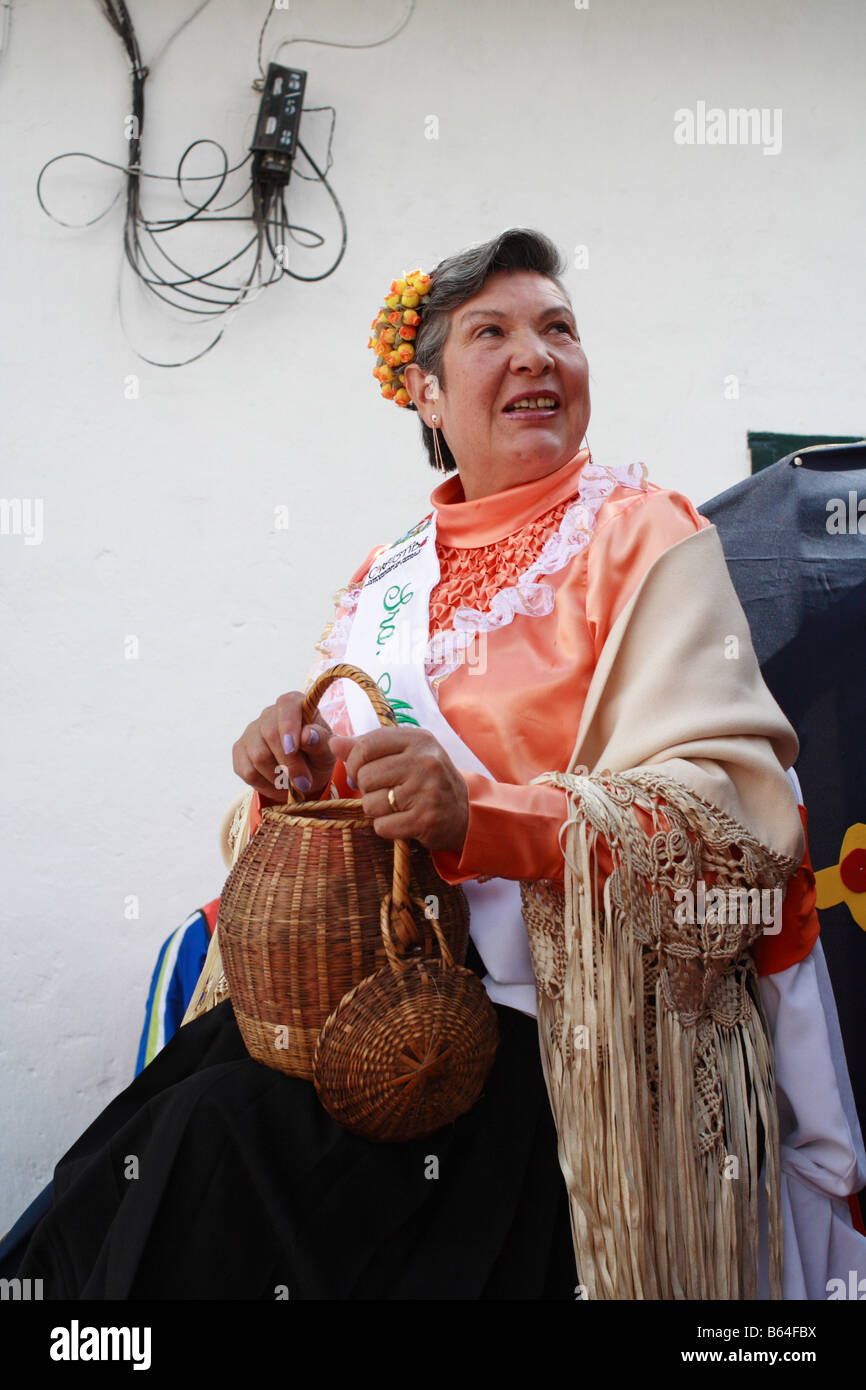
655, 1049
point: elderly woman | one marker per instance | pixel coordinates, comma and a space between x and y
524, 651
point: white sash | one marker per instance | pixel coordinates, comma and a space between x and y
388, 640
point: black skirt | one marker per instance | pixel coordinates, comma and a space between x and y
214, 1177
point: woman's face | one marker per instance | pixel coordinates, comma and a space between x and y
515, 340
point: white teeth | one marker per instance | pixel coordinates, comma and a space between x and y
532, 403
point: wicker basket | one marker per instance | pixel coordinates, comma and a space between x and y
317, 903
408, 1049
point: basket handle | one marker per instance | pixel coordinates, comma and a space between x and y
397, 958
406, 928
343, 671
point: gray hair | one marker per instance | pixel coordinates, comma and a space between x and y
461, 277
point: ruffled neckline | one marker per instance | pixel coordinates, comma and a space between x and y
487, 519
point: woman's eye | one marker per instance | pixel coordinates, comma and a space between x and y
495, 328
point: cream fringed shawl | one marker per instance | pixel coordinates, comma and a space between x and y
655, 1051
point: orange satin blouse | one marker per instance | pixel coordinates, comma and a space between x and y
520, 713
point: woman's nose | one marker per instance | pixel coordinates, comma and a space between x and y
531, 351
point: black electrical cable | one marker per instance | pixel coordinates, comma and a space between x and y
168, 178
345, 231
330, 43
202, 296
328, 156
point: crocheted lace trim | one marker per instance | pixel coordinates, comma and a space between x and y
528, 595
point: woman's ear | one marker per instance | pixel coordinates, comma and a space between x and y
423, 388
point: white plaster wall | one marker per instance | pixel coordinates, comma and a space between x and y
158, 511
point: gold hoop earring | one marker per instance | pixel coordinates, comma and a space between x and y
440, 462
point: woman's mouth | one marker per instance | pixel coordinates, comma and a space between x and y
540, 407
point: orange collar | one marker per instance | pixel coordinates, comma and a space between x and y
487, 519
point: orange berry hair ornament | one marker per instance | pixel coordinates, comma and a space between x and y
394, 329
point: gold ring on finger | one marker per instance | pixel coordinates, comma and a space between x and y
392, 800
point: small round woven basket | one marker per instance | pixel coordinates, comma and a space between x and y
409, 1048
319, 904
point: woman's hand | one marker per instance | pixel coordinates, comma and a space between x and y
277, 748
432, 799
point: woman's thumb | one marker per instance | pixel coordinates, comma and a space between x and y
341, 745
